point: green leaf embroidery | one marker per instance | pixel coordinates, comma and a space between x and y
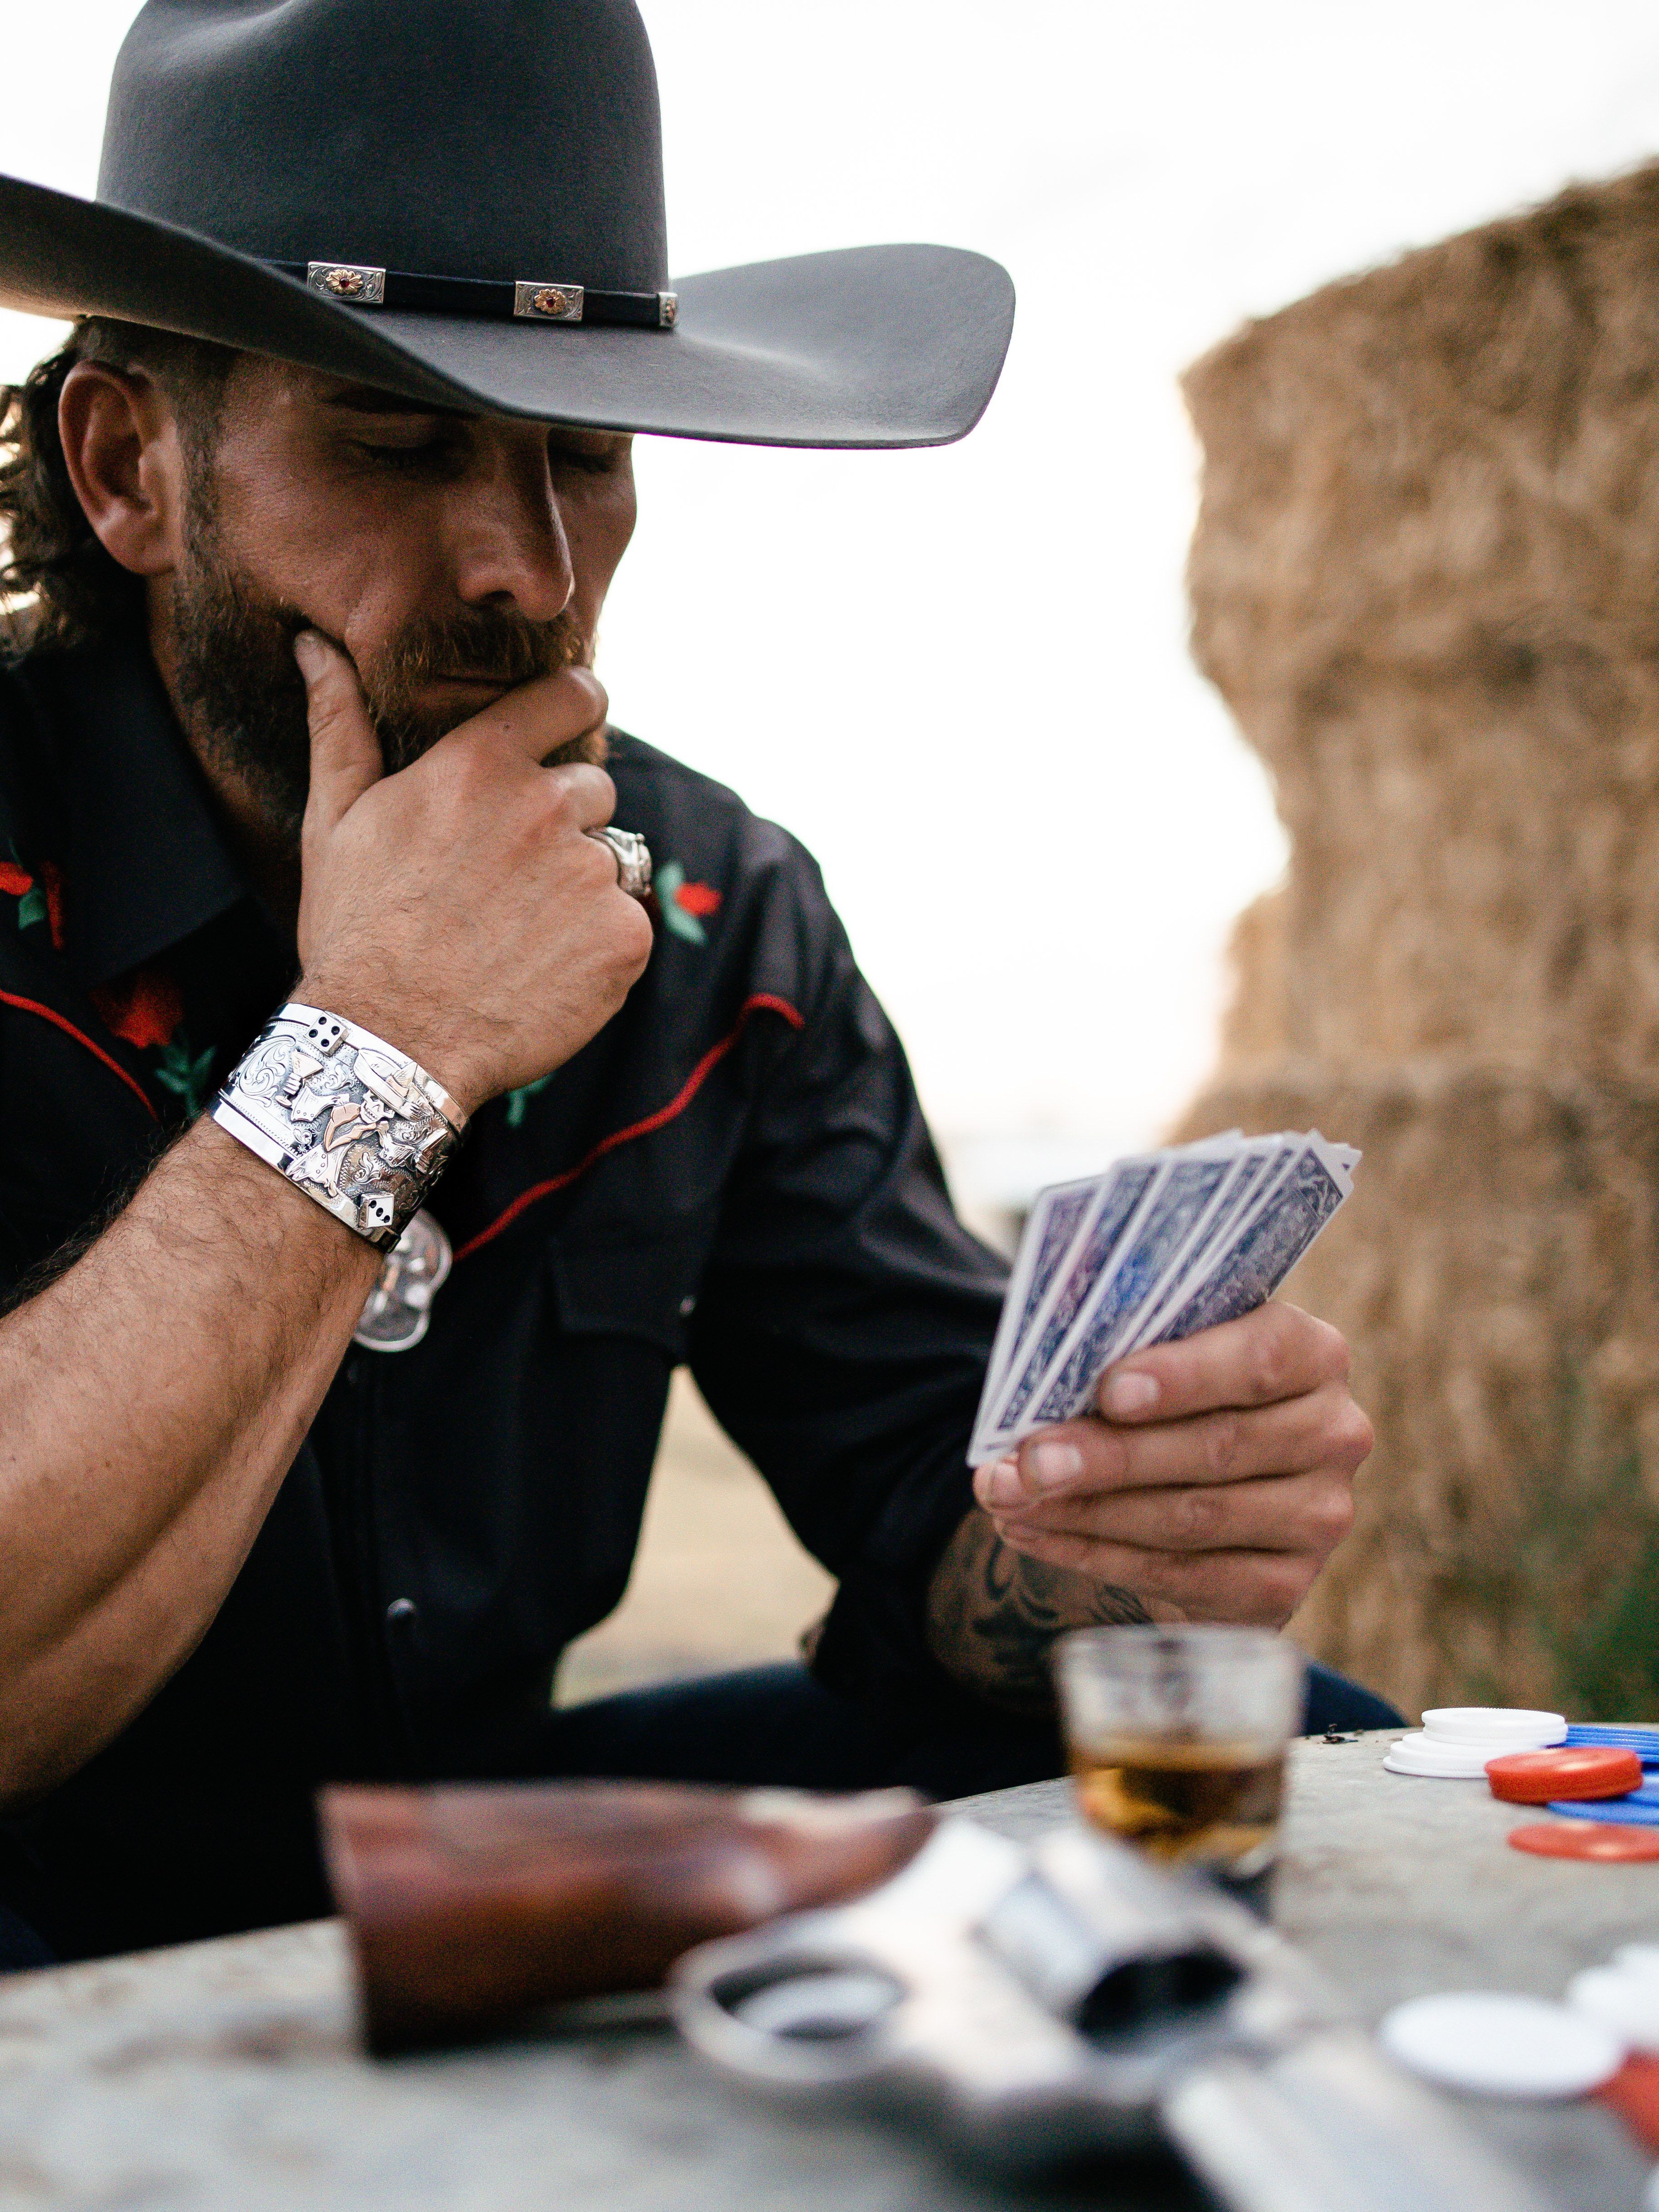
518, 1100
186, 1077
675, 917
31, 908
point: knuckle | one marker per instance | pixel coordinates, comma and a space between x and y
1199, 1516
1271, 1354
1355, 1439
1223, 1441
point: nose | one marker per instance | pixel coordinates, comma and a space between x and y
508, 540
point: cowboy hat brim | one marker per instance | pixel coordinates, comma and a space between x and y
874, 346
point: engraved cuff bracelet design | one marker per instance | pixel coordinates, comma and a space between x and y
347, 1118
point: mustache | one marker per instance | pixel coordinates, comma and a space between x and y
484, 644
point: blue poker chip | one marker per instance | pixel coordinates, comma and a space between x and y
1640, 1809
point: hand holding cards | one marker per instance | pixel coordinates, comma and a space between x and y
1160, 1246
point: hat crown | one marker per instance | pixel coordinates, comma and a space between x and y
504, 140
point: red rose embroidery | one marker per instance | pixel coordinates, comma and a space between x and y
699, 899
145, 1008
36, 902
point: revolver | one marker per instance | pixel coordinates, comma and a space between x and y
1037, 2002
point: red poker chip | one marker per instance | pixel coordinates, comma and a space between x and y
1586, 1769
1633, 2094
1585, 1840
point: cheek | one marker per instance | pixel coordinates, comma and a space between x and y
351, 561
598, 532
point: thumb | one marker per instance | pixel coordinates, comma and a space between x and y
345, 753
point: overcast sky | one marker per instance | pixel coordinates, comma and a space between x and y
961, 676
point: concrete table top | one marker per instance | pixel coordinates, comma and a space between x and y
227, 2074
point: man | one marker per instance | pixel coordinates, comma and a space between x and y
307, 691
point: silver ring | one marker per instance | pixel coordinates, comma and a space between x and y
633, 858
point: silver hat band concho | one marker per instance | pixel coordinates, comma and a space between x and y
528, 300
633, 858
355, 1124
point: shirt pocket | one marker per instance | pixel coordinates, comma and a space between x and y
644, 1287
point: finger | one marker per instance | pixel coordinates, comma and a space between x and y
345, 753
1309, 1512
1325, 1428
1258, 1588
1277, 1352
538, 717
588, 795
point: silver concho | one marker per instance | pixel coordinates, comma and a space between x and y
399, 1308
547, 303
356, 282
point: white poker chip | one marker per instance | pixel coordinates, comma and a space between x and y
1501, 2046
1625, 2003
1513, 1726
1420, 1754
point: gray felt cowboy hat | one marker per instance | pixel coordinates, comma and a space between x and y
463, 203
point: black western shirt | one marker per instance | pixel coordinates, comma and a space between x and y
734, 1174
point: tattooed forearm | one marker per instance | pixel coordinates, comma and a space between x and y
992, 1615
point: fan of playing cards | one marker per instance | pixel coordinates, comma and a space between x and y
1160, 1246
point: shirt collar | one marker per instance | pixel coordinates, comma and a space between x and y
144, 862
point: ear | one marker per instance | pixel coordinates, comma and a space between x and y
121, 448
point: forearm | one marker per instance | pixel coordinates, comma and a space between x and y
151, 1400
993, 1613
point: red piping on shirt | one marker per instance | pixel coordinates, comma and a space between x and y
762, 1002
46, 1014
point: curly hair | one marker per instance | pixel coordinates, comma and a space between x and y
59, 588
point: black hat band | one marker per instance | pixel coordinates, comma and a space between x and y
358, 284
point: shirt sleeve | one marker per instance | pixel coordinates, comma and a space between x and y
843, 1326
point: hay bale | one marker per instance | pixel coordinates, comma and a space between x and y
1425, 578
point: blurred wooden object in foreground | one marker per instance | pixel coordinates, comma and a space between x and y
468, 1902
1426, 581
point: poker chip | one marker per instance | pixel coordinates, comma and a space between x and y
1537, 1777
1585, 1840
1514, 1726
1501, 2046
1633, 2094
1626, 2003
1419, 1753
1455, 1741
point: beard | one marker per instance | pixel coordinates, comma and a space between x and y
243, 702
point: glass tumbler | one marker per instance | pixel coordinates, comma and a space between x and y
1177, 1738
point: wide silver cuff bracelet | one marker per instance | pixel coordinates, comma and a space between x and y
349, 1119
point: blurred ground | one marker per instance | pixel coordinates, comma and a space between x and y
720, 1580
